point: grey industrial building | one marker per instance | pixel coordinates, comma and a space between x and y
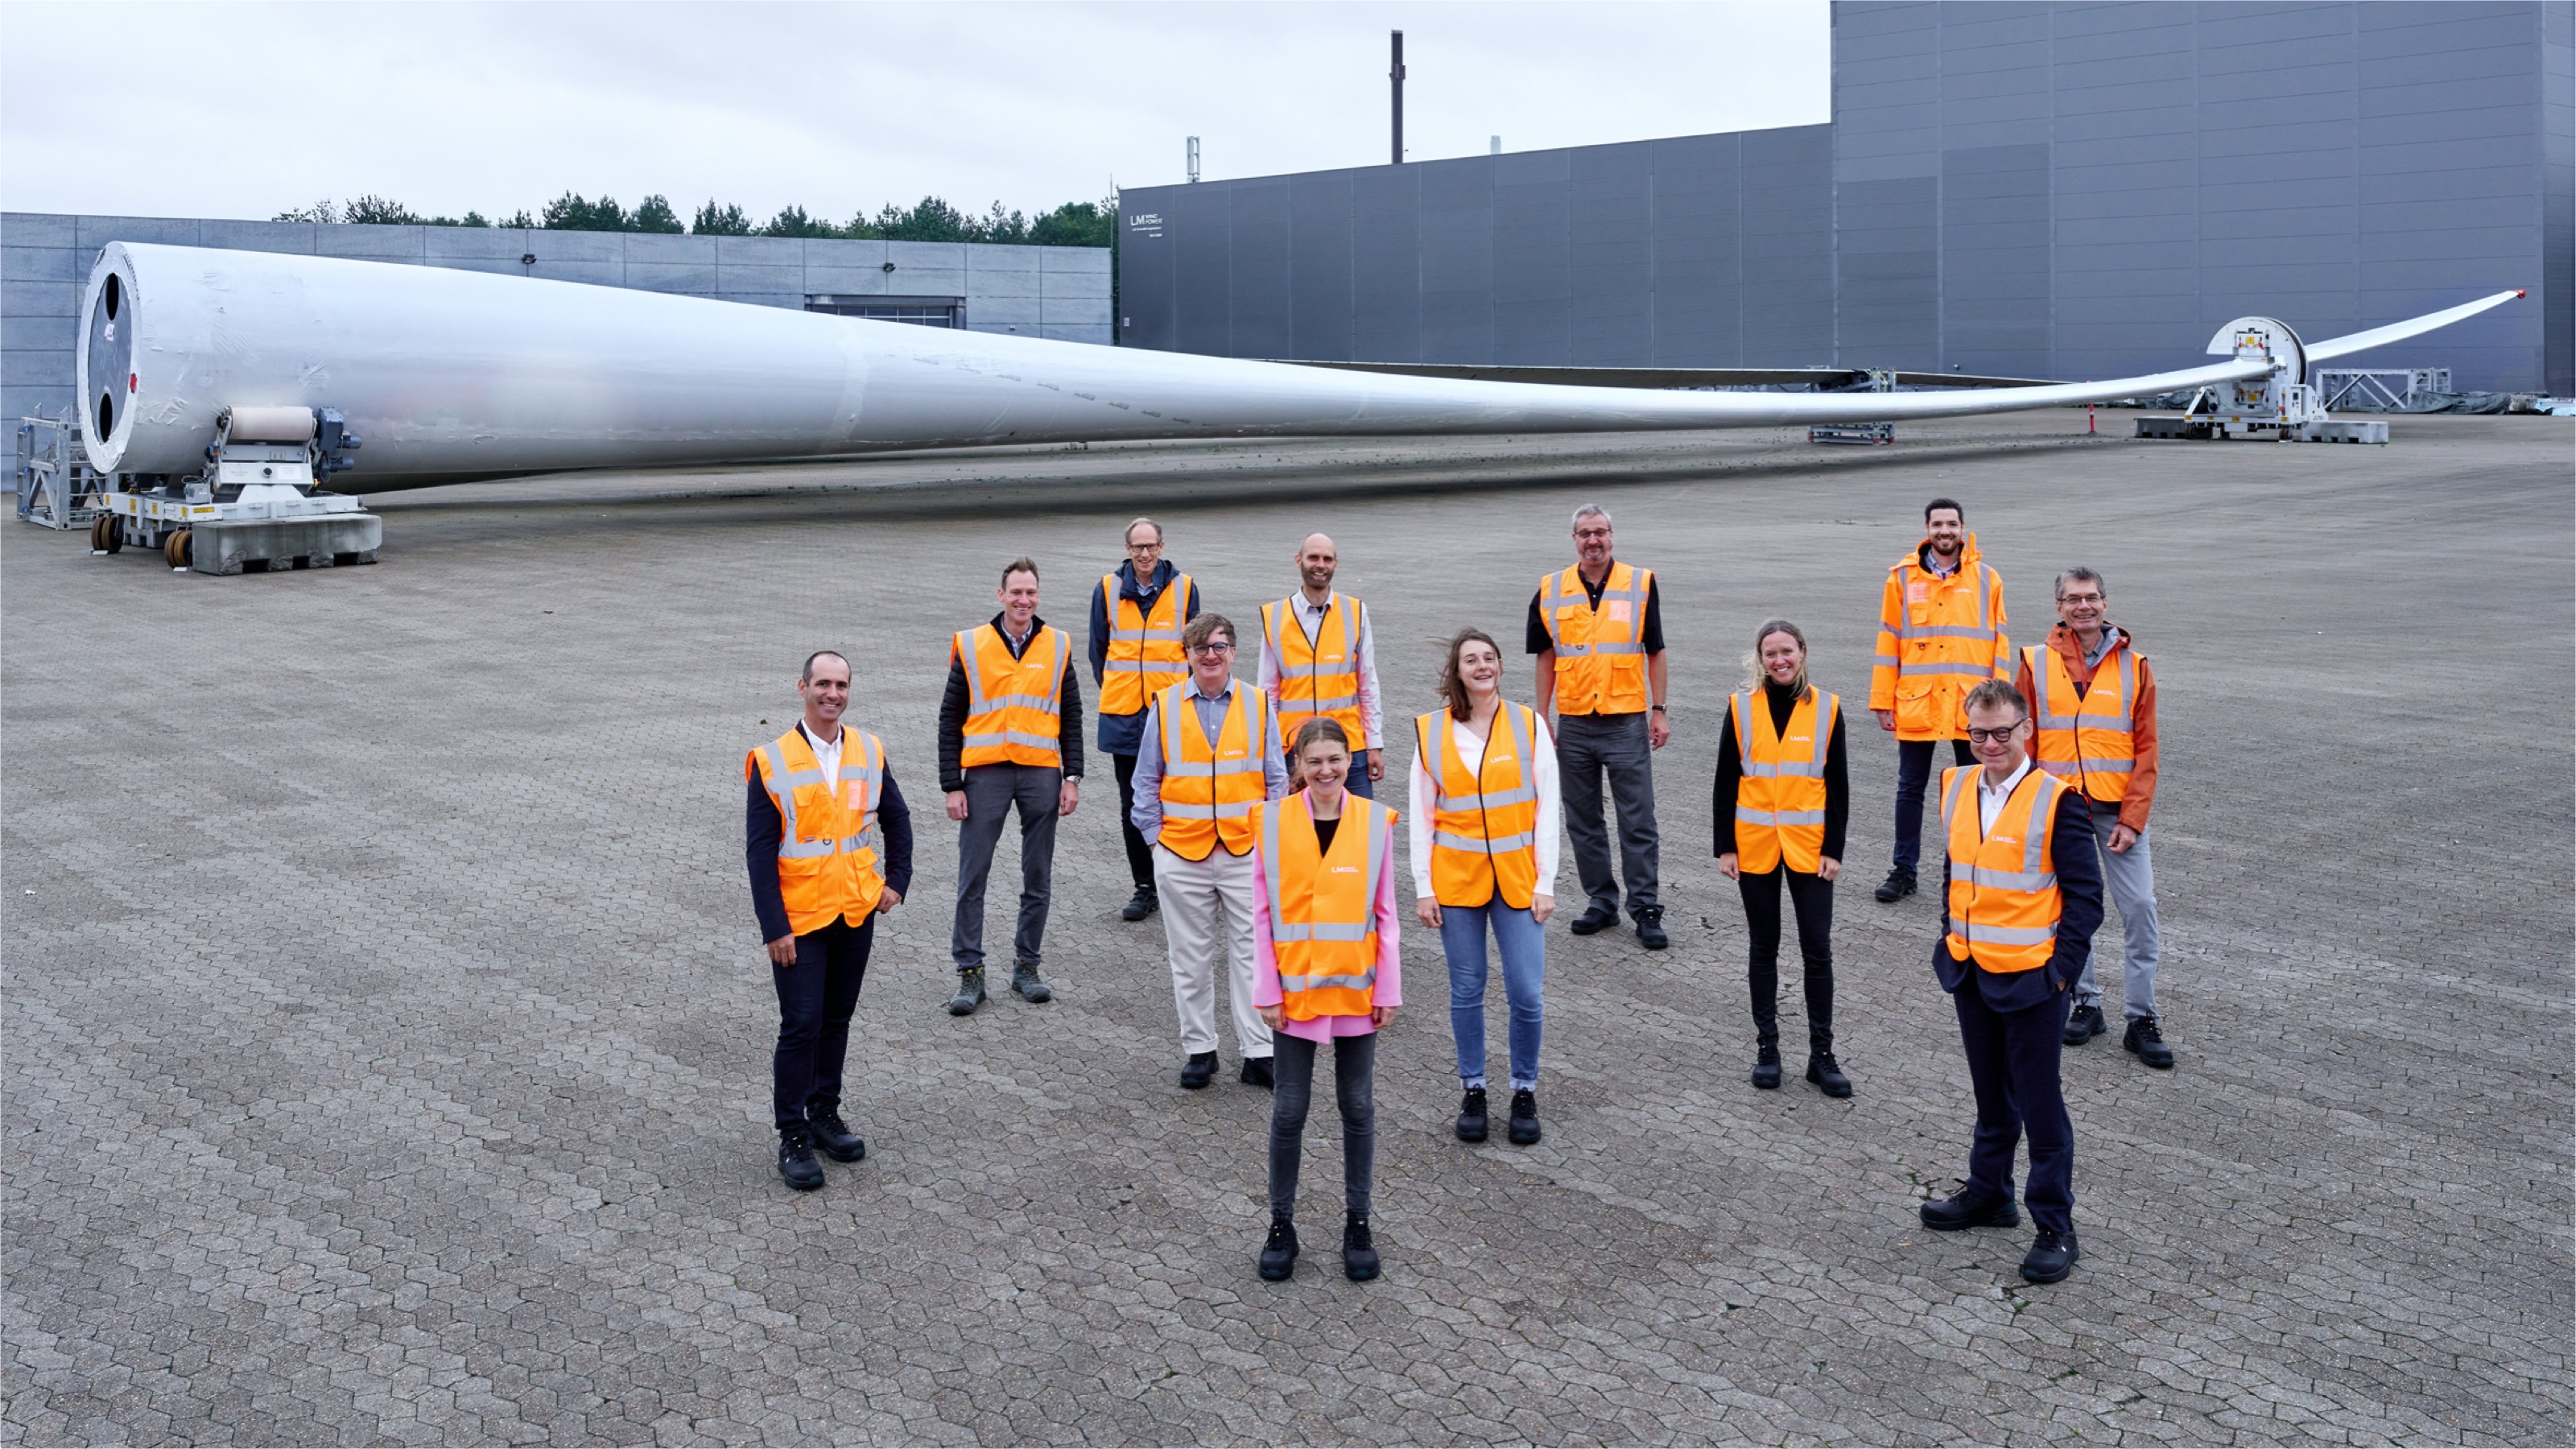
1057, 292
2038, 190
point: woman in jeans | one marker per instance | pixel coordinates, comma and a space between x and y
1484, 858
1783, 796
1324, 970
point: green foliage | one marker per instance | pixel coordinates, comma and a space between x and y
726, 220
569, 212
654, 214
374, 210
520, 221
1078, 224
792, 221
325, 210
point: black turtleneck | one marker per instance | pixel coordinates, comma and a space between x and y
1730, 773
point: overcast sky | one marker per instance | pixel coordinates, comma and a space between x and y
246, 110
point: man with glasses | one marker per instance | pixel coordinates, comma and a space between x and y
2092, 700
1940, 633
1137, 614
1210, 754
1598, 631
2025, 896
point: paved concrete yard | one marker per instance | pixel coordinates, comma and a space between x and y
387, 1038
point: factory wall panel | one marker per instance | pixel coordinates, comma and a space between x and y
1257, 274
45, 258
1386, 264
1320, 260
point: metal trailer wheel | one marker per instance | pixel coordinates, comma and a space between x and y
115, 535
175, 549
98, 528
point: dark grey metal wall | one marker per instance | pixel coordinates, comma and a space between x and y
1695, 251
2051, 190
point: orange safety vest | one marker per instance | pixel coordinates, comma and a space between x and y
2087, 740
1780, 803
2003, 886
1323, 904
1320, 676
1145, 656
1484, 823
1937, 637
1013, 706
827, 852
1210, 792
1600, 652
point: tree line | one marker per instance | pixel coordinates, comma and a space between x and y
1074, 224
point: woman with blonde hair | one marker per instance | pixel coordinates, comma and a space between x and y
1783, 798
1324, 970
1484, 838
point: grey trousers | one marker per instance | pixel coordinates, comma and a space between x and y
2130, 880
991, 791
1587, 747
1355, 1085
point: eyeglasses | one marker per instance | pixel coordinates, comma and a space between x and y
2001, 736
1592, 533
2079, 598
1213, 647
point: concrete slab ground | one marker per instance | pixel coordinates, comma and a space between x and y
386, 1034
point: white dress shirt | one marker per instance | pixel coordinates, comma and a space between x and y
1990, 798
828, 754
1541, 769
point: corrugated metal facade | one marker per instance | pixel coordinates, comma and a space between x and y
2052, 190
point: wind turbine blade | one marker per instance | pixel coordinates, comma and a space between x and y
2353, 342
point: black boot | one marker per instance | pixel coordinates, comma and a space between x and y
1969, 1208
1898, 885
1359, 1255
1524, 1116
1766, 1066
1471, 1115
1024, 980
1650, 929
2083, 1024
1595, 917
1822, 1070
1199, 1070
2148, 1041
796, 1164
2052, 1256
1140, 905
1279, 1251
1257, 1073
970, 992
834, 1136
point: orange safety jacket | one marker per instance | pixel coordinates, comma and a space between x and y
1600, 652
2004, 901
827, 848
1145, 656
1320, 676
1484, 823
2088, 741
1937, 637
1014, 707
1210, 792
1780, 804
1323, 904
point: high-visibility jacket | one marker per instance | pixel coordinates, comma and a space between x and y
1600, 652
1323, 904
1937, 637
1209, 792
1014, 707
2086, 741
827, 852
1145, 656
2003, 883
1780, 803
1484, 822
1320, 676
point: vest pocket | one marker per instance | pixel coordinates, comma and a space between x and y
1918, 706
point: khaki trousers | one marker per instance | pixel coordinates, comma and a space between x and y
1191, 892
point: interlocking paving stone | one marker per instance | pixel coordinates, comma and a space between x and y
386, 1037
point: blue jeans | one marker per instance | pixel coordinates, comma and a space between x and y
1522, 943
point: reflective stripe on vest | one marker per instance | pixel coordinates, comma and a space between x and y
1484, 824
1209, 790
827, 845
1780, 802
2003, 897
1013, 706
1144, 657
1600, 650
2089, 740
1318, 676
1323, 904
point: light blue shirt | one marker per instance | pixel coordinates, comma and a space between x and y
1148, 814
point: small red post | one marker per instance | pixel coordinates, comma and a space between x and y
2088, 418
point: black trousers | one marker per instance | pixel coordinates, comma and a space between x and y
1913, 777
1140, 852
1813, 898
816, 997
2012, 1062
1355, 1087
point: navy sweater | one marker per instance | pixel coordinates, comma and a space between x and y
762, 831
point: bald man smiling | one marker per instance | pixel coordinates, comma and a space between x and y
1318, 657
